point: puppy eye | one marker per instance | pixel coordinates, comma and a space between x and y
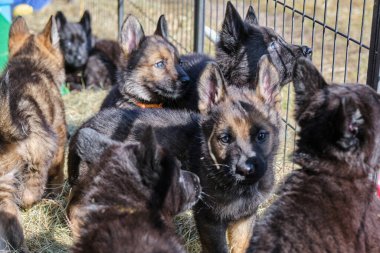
160, 64
225, 138
262, 136
181, 63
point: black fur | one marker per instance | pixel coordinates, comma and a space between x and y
138, 188
236, 177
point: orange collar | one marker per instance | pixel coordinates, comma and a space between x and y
144, 106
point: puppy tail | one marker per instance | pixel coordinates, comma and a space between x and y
13, 126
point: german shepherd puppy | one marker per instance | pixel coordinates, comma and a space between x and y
135, 189
329, 205
150, 73
32, 125
76, 42
241, 45
102, 64
230, 145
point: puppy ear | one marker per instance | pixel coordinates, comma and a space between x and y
306, 80
131, 34
162, 27
211, 88
145, 135
233, 30
85, 21
18, 31
268, 82
91, 144
251, 18
60, 19
350, 120
50, 33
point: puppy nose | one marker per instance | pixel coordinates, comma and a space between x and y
246, 168
306, 51
184, 78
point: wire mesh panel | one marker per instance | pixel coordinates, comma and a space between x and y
338, 31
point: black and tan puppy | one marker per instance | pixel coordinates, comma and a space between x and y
231, 146
150, 74
242, 43
329, 205
32, 125
240, 46
136, 189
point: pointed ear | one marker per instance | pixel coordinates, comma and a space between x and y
18, 31
268, 82
349, 119
233, 29
85, 21
162, 27
211, 88
131, 34
306, 80
251, 18
50, 33
91, 144
61, 20
145, 135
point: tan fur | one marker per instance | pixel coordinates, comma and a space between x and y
33, 133
239, 234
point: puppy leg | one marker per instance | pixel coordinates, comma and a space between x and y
56, 174
34, 181
212, 233
239, 234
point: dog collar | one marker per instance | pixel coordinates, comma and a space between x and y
144, 106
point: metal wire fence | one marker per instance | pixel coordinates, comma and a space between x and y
338, 31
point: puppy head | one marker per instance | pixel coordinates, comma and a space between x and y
243, 42
240, 126
338, 122
43, 46
75, 39
171, 190
152, 70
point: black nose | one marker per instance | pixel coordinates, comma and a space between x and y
306, 50
246, 168
184, 78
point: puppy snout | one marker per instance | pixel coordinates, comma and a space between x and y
246, 168
306, 51
182, 75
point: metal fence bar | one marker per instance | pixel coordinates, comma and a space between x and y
199, 25
374, 51
120, 16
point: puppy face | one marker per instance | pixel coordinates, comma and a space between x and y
152, 70
242, 126
75, 39
242, 43
337, 121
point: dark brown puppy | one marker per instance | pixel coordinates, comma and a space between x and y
32, 125
242, 43
150, 74
136, 189
329, 205
230, 145
102, 64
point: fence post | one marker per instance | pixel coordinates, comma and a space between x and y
199, 25
374, 51
120, 15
